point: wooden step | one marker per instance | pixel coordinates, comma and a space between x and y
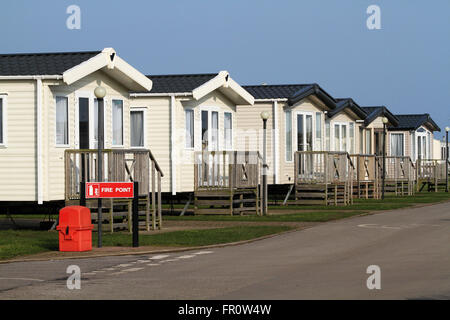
213, 211
212, 202
239, 201
243, 209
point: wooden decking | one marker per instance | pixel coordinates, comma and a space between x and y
431, 174
120, 165
227, 182
323, 177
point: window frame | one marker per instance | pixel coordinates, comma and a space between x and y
193, 129
112, 122
420, 133
318, 129
368, 144
390, 143
144, 123
62, 145
286, 112
4, 99
333, 125
225, 147
210, 110
313, 129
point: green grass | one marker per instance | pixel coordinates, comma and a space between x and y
24, 242
191, 238
326, 213
312, 216
14, 243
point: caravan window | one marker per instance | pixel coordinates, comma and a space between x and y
62, 121
2, 126
137, 128
288, 127
117, 122
228, 130
397, 144
189, 128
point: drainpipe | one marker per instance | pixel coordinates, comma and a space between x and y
40, 187
172, 145
275, 143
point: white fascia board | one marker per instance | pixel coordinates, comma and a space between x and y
241, 92
133, 74
224, 82
85, 68
107, 58
168, 94
42, 77
271, 100
210, 85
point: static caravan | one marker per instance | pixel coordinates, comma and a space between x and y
47, 106
413, 136
186, 115
371, 134
303, 117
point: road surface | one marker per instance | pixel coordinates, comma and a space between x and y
329, 261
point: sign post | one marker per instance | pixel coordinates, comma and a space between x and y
102, 190
136, 216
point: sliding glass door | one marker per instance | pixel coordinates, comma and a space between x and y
305, 137
84, 123
340, 137
210, 130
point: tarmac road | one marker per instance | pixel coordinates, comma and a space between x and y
329, 261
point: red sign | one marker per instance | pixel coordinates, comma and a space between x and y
95, 190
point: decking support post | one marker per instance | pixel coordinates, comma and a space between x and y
147, 212
160, 223
153, 196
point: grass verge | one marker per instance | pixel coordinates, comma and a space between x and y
14, 243
313, 216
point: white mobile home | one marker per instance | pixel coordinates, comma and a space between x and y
48, 106
188, 113
303, 117
413, 137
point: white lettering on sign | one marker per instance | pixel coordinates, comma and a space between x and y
123, 189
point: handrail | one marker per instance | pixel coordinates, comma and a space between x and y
157, 167
222, 169
152, 157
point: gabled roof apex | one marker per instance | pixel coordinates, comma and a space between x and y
224, 83
344, 103
415, 121
374, 112
115, 66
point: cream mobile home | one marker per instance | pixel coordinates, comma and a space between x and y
47, 106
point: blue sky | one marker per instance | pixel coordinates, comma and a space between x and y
405, 65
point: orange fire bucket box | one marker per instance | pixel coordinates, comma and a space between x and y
75, 229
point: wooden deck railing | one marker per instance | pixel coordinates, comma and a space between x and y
431, 170
323, 167
121, 165
366, 167
397, 168
214, 170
